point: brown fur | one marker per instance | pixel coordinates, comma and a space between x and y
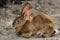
41, 23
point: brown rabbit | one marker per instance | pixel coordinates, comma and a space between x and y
28, 25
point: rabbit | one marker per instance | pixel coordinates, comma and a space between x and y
40, 24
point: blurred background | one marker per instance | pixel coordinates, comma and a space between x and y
10, 9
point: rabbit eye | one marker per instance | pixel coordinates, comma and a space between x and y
17, 22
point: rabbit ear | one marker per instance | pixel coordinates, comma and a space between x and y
26, 11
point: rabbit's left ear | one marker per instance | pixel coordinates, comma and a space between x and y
26, 11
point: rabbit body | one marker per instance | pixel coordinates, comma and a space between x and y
40, 23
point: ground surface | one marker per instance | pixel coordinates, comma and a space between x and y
50, 7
